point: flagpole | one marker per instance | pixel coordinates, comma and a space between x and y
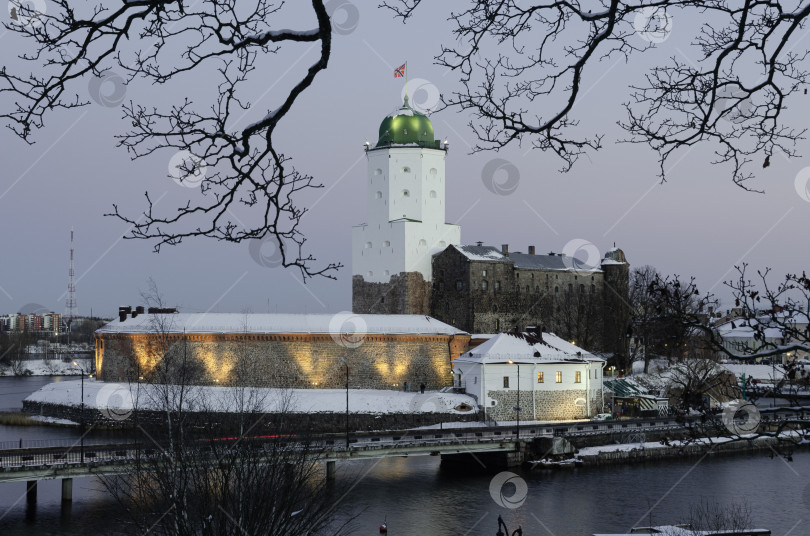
406, 78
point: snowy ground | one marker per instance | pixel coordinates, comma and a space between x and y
48, 367
119, 398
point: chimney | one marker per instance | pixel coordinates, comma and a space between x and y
123, 312
505, 249
480, 244
531, 250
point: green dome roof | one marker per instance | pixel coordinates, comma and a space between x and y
407, 126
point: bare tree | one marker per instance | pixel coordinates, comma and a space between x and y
525, 65
643, 312
165, 42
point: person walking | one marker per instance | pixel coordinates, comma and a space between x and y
422, 388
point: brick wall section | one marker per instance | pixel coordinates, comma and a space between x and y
290, 361
547, 405
406, 293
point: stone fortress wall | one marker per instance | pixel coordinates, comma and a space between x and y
285, 361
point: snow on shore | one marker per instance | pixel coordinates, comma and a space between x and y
121, 397
48, 367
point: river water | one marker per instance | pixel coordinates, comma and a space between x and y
416, 497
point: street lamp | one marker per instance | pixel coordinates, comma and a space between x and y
517, 409
82, 410
347, 401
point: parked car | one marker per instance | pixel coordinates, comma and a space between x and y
603, 417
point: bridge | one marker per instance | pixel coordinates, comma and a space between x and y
31, 461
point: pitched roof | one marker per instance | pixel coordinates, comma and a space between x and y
524, 261
280, 323
506, 347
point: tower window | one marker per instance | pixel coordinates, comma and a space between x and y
386, 244
368, 245
378, 195
442, 243
433, 194
378, 171
406, 193
433, 171
370, 273
406, 169
386, 273
423, 242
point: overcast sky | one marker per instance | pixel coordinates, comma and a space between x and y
698, 223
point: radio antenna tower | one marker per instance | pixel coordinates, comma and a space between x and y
71, 310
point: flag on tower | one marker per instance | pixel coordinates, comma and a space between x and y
399, 72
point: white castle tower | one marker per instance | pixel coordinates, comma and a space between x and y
392, 252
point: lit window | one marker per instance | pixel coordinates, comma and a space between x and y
559, 376
539, 377
578, 377
506, 382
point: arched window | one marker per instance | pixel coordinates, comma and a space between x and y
433, 194
378, 171
423, 242
378, 195
433, 171
386, 244
368, 245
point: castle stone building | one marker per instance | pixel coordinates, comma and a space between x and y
407, 260
282, 350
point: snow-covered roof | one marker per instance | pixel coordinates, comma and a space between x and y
743, 327
524, 261
506, 347
280, 323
